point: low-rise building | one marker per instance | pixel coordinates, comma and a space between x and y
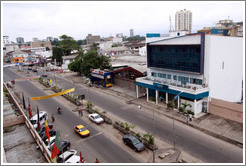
92, 39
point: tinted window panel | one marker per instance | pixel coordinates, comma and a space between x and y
183, 58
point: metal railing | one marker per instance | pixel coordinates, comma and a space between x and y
43, 147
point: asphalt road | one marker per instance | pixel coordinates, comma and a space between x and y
192, 141
96, 145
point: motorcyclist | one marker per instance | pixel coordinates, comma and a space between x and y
58, 109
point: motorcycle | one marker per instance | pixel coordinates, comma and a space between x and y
59, 110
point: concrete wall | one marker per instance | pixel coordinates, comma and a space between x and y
224, 67
226, 110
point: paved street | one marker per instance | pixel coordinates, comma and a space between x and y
192, 141
96, 145
200, 145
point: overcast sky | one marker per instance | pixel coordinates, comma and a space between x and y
77, 19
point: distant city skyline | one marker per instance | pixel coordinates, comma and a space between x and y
78, 19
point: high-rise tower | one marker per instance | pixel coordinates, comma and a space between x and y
183, 21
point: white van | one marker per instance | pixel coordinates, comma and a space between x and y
43, 115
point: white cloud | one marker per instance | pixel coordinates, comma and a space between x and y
77, 19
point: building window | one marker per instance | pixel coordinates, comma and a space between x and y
169, 76
154, 74
196, 81
174, 77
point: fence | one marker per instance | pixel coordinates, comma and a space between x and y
32, 130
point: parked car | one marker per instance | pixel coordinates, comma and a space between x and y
43, 115
66, 155
51, 143
73, 159
64, 146
51, 133
29, 68
35, 70
96, 118
44, 75
81, 130
42, 129
133, 143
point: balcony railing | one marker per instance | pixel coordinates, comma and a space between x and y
175, 86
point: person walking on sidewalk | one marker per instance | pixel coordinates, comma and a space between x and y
97, 161
52, 118
190, 117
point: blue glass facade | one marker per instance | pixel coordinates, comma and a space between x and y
175, 57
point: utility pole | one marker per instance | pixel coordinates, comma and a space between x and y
173, 118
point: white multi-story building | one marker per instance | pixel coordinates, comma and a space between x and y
198, 67
183, 21
5, 40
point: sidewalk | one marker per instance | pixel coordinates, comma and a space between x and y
213, 125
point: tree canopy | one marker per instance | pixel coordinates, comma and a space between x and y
82, 42
67, 44
57, 54
87, 61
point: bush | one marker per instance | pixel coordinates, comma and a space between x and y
122, 125
149, 138
5, 90
152, 99
96, 111
170, 104
117, 123
181, 109
138, 135
190, 112
88, 104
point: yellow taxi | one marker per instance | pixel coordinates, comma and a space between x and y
81, 130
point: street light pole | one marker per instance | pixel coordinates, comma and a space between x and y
173, 119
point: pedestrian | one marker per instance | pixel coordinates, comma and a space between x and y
190, 117
187, 119
97, 161
81, 112
53, 118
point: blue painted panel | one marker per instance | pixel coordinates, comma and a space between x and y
153, 35
219, 31
174, 92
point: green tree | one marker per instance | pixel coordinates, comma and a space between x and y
67, 44
57, 54
87, 61
47, 48
82, 42
55, 43
94, 46
185, 105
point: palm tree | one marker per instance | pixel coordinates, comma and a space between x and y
185, 105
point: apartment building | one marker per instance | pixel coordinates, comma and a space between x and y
183, 21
